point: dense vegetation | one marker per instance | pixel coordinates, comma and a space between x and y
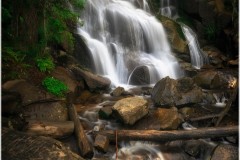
29, 27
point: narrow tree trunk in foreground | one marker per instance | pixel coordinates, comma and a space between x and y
86, 150
52, 129
163, 136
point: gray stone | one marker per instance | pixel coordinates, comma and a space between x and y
169, 92
130, 110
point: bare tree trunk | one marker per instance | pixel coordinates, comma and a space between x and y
86, 149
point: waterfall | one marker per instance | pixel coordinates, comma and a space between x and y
122, 37
198, 58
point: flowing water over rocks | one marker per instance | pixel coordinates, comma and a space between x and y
122, 38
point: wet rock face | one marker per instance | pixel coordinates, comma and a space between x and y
225, 152
130, 110
168, 91
175, 35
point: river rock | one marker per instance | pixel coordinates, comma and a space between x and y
130, 110
140, 76
101, 143
169, 92
117, 92
214, 80
225, 152
105, 112
94, 82
18, 145
66, 76
168, 119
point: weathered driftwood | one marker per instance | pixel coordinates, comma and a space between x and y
228, 106
163, 136
54, 129
86, 149
19, 146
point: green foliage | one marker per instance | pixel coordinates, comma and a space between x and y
13, 63
54, 86
45, 64
210, 32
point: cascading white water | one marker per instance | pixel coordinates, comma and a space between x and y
198, 58
122, 37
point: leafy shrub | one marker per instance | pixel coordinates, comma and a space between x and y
45, 64
54, 86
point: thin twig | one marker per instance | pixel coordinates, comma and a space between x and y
116, 145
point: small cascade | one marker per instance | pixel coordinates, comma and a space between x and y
220, 100
139, 150
198, 58
168, 8
122, 37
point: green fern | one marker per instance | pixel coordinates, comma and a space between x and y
45, 64
54, 86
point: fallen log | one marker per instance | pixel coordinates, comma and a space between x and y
163, 136
86, 149
54, 129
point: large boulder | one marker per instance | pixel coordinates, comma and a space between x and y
18, 145
67, 77
94, 82
140, 76
180, 92
160, 119
130, 110
28, 92
168, 119
212, 79
31, 96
